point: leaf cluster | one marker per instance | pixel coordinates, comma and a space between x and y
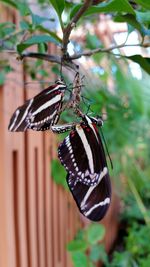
86, 248
33, 26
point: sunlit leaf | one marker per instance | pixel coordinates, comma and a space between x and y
130, 19
144, 62
58, 6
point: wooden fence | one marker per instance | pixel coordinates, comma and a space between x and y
37, 217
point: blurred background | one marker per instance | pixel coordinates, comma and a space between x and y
40, 225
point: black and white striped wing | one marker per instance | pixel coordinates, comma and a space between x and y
82, 154
92, 201
40, 112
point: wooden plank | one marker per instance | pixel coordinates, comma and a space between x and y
48, 202
3, 192
35, 167
14, 175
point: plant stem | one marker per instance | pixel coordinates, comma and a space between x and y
67, 30
139, 201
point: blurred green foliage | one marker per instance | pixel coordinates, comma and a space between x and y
85, 248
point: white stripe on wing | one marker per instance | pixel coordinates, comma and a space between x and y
86, 146
49, 103
91, 188
102, 203
24, 115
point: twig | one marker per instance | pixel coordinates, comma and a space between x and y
98, 50
50, 58
67, 30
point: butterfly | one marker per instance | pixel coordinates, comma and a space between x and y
83, 156
41, 111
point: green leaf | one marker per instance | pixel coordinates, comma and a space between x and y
7, 24
79, 259
24, 25
144, 62
36, 39
37, 20
122, 259
143, 3
23, 8
111, 6
95, 233
98, 253
77, 245
74, 10
58, 173
6, 29
58, 6
53, 34
143, 17
10, 3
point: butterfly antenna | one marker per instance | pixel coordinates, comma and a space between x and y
106, 148
87, 105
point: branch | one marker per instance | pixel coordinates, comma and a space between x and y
107, 50
50, 58
67, 30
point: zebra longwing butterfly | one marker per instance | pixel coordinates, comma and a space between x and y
83, 156
41, 111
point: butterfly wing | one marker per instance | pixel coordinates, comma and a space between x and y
18, 120
92, 201
82, 154
40, 112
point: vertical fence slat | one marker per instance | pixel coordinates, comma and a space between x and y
48, 203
